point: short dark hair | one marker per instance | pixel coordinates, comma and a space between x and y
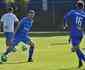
31, 11
10, 9
80, 4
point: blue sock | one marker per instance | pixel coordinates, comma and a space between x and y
31, 50
80, 55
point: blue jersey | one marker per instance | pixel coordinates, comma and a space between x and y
77, 21
25, 26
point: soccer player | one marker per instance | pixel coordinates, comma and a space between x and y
77, 18
22, 35
8, 20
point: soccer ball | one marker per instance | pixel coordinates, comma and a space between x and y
3, 58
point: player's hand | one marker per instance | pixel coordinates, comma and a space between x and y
65, 28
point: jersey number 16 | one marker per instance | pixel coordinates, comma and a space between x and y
79, 21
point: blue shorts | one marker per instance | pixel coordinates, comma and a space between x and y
9, 36
76, 40
20, 38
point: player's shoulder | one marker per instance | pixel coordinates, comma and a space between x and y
78, 12
4, 14
83, 12
72, 11
8, 14
23, 19
12, 14
26, 18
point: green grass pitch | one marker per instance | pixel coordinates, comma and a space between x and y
51, 53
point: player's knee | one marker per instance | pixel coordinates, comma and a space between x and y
32, 44
75, 48
8, 44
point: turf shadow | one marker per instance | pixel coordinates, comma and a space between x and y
59, 43
72, 68
21, 62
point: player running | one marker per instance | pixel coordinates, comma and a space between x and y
8, 20
77, 18
22, 35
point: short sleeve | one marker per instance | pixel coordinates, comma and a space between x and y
15, 18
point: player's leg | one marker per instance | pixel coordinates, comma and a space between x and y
76, 42
78, 51
24, 47
69, 40
10, 49
9, 36
80, 56
31, 51
31, 46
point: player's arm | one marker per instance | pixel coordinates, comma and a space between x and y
15, 18
83, 26
66, 18
16, 21
1, 21
1, 24
17, 27
66, 24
